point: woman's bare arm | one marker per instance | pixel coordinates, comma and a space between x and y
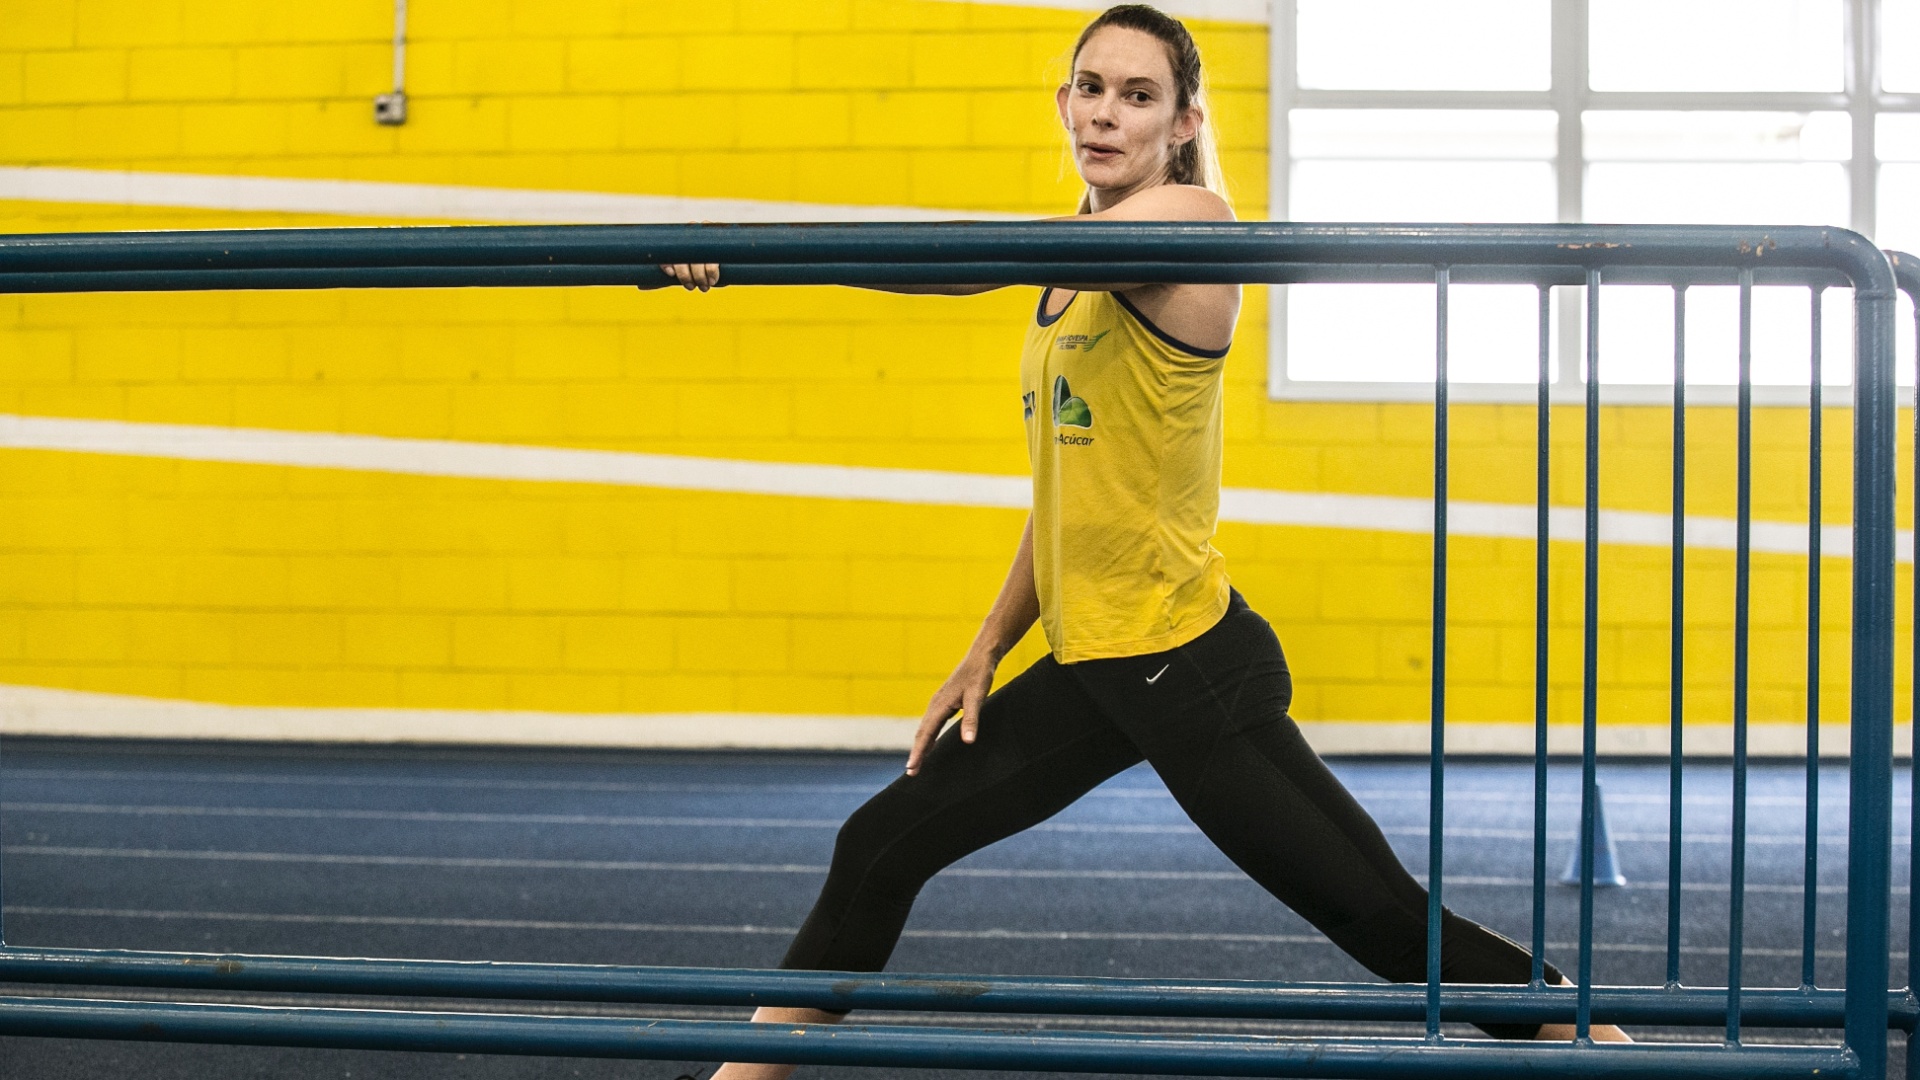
1173, 202
1014, 612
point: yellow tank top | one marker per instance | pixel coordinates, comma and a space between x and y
1124, 431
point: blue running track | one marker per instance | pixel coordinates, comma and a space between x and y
713, 858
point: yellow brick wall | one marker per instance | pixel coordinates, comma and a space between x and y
253, 584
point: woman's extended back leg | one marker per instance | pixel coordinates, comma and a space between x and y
1214, 724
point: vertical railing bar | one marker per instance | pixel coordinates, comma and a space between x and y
1542, 516
1742, 594
1811, 872
1589, 697
1676, 696
1913, 720
1870, 713
1437, 774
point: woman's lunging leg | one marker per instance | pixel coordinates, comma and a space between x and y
1041, 745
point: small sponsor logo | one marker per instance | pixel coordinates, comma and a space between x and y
1026, 402
1083, 342
1073, 440
1069, 411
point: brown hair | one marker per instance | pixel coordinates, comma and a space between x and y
1196, 161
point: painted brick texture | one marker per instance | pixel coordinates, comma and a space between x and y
260, 585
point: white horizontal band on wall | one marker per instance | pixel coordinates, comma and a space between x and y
38, 711
440, 202
30, 710
535, 464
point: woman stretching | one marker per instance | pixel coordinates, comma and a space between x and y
1154, 656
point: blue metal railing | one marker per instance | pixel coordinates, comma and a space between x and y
1066, 253
1906, 269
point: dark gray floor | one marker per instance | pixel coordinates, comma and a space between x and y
713, 859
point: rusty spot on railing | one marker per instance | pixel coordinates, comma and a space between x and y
1588, 245
1758, 248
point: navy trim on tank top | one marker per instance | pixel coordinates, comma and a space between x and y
1040, 312
1195, 350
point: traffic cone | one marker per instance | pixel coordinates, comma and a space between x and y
1606, 861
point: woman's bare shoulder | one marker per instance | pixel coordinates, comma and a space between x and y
1169, 202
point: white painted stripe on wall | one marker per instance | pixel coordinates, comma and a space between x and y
492, 461
367, 198
1249, 11
535, 464
33, 710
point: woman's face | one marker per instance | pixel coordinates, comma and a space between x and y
1120, 109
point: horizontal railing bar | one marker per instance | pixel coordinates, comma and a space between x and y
646, 275
841, 991
1063, 1051
915, 247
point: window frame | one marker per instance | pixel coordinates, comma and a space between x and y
1569, 97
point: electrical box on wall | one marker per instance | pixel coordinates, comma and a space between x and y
390, 109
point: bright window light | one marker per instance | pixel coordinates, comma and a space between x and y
1422, 191
1897, 137
1716, 136
1721, 168
1385, 333
1422, 165
1414, 111
1717, 193
1900, 46
1417, 165
1437, 134
1636, 335
1723, 45
1421, 45
1899, 224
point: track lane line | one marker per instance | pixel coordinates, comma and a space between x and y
658, 821
623, 865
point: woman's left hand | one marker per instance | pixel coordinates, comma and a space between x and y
690, 276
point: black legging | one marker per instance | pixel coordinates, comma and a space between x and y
1211, 717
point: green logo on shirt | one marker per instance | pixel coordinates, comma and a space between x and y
1069, 411
1083, 342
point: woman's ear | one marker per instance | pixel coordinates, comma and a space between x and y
1188, 128
1060, 102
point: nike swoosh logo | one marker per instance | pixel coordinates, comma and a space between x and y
1157, 674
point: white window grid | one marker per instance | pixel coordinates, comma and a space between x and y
1569, 97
